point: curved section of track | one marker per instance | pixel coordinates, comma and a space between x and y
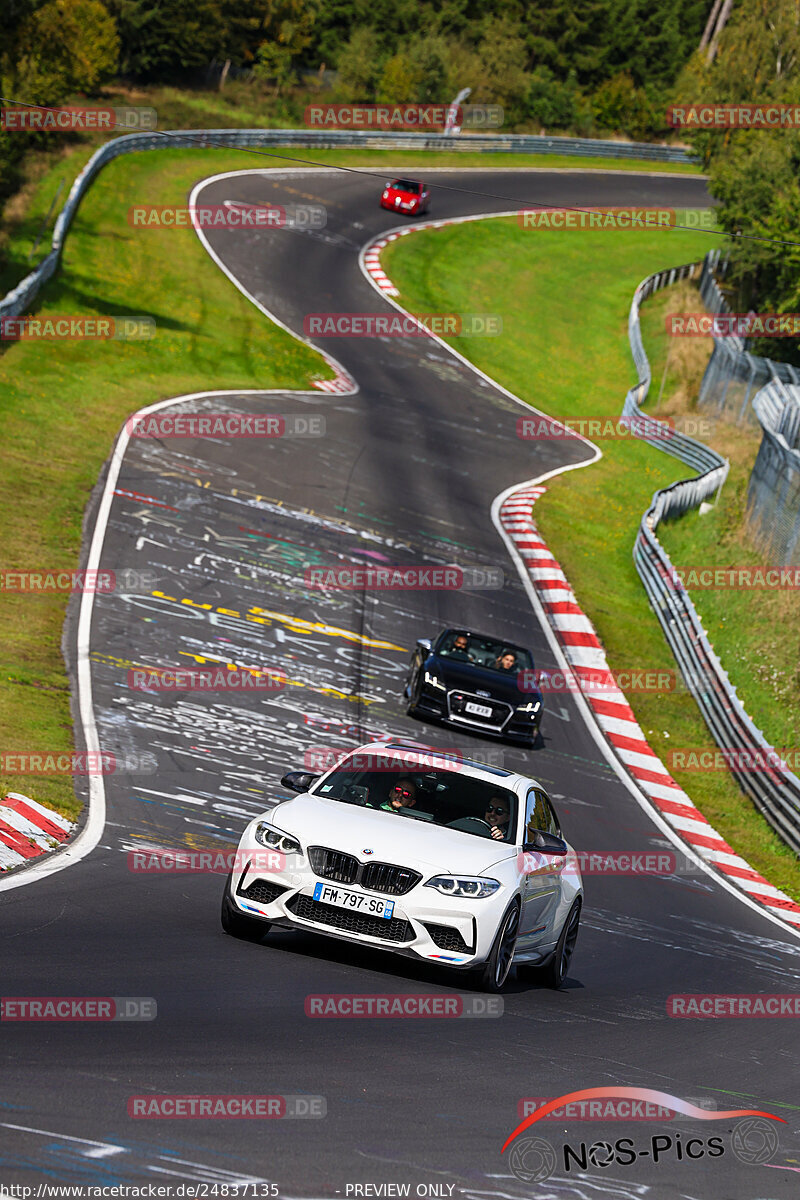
407, 473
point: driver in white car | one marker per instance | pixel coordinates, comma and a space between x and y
497, 815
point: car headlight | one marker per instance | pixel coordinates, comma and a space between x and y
276, 839
467, 887
434, 681
532, 707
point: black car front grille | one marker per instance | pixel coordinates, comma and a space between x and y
308, 909
384, 877
262, 891
457, 703
447, 938
374, 876
333, 864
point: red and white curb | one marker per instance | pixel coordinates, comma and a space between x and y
372, 264
341, 385
28, 830
585, 654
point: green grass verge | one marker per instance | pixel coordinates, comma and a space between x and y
564, 299
756, 633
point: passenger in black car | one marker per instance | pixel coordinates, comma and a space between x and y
505, 661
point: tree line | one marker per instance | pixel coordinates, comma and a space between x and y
573, 66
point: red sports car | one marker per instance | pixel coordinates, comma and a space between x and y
406, 196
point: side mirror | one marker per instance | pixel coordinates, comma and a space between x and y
425, 644
298, 781
547, 843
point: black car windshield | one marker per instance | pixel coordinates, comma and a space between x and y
407, 185
449, 798
487, 653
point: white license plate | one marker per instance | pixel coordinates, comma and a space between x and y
477, 710
372, 906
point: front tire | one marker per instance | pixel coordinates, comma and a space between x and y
235, 922
555, 973
497, 967
414, 690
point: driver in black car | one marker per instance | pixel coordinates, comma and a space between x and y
460, 649
498, 815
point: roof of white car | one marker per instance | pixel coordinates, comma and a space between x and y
415, 758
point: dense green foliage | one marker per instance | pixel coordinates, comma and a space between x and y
593, 68
755, 172
598, 63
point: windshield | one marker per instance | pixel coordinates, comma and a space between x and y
484, 652
407, 185
439, 797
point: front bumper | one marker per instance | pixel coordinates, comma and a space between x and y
432, 703
402, 207
425, 925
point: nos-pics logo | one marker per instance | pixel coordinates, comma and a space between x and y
533, 1159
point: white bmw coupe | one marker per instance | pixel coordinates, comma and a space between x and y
446, 860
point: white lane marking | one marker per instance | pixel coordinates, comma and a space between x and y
107, 1147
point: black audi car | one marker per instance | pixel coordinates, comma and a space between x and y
475, 683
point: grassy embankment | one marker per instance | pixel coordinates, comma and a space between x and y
564, 299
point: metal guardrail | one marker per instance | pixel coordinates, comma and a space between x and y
774, 790
773, 494
17, 300
733, 373
732, 376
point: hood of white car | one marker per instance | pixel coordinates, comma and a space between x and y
407, 842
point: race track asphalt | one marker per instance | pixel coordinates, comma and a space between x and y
406, 473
